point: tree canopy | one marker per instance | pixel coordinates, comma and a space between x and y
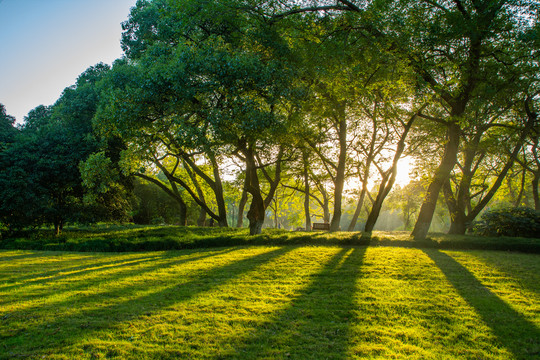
217, 103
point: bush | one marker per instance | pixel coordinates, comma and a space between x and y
523, 222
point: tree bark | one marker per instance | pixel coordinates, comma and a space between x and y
201, 220
218, 191
521, 188
215, 184
255, 213
449, 159
358, 209
534, 184
307, 191
241, 206
340, 172
58, 227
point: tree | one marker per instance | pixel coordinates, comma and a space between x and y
456, 49
203, 83
7, 130
41, 183
465, 206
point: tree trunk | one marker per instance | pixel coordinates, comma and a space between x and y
241, 206
340, 173
256, 211
358, 209
256, 214
534, 183
449, 159
275, 214
58, 227
218, 191
388, 178
326, 209
364, 190
521, 188
255, 223
183, 211
306, 192
376, 207
473, 212
201, 220
457, 206
458, 223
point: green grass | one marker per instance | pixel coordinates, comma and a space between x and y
271, 302
155, 238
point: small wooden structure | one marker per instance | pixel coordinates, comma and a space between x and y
320, 226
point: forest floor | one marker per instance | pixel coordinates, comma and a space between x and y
270, 302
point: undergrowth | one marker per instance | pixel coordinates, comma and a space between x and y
154, 238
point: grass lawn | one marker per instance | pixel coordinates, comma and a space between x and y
271, 302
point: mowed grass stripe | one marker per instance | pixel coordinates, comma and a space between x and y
274, 303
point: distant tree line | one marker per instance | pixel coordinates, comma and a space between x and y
297, 110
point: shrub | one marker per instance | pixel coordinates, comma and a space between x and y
524, 222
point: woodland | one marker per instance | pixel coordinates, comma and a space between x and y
287, 113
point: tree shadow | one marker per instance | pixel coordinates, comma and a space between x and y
28, 255
34, 254
317, 322
525, 273
67, 272
98, 316
512, 330
118, 274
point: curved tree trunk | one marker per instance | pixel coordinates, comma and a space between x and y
306, 192
534, 184
201, 220
358, 209
339, 180
256, 212
241, 206
449, 159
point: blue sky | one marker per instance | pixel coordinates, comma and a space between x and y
46, 44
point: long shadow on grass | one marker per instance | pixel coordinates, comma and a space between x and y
84, 285
99, 316
67, 272
516, 266
513, 331
317, 322
28, 255
32, 254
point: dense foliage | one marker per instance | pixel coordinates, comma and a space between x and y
297, 107
524, 222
